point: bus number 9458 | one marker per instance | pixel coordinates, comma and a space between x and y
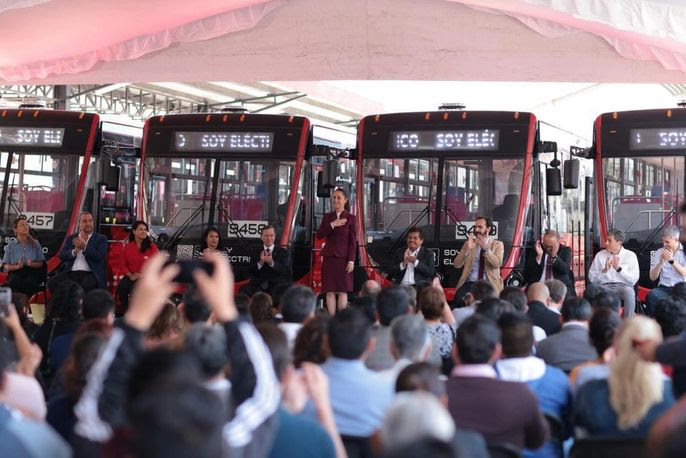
249, 229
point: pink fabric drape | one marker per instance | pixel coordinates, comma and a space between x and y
636, 29
39, 39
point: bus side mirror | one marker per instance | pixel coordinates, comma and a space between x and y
571, 173
553, 181
322, 191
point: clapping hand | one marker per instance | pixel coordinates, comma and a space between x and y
470, 243
481, 241
265, 258
667, 255
78, 243
614, 262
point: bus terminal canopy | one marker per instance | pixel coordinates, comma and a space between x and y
82, 41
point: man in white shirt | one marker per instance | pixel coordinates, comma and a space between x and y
668, 265
616, 269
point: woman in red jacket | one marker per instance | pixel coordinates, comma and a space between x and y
139, 249
339, 252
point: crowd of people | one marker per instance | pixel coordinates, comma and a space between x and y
397, 371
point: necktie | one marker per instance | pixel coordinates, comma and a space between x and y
482, 267
548, 268
267, 251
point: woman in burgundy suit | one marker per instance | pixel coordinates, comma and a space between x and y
339, 252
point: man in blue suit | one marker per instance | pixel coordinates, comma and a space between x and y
84, 255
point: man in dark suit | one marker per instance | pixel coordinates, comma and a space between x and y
537, 296
416, 263
272, 268
84, 256
550, 260
571, 346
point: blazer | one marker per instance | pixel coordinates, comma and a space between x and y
568, 348
423, 271
493, 260
544, 318
280, 273
341, 242
95, 254
562, 269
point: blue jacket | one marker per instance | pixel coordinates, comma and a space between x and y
95, 253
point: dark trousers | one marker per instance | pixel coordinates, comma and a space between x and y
123, 291
26, 281
256, 286
84, 278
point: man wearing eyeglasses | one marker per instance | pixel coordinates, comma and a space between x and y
549, 259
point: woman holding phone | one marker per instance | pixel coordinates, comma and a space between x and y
24, 260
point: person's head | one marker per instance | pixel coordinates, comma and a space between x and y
392, 302
410, 338
592, 290
268, 235
66, 301
538, 292
86, 223
339, 200
21, 227
514, 296
576, 309
517, 335
482, 226
297, 304
195, 308
370, 288
606, 299
670, 238
349, 334
550, 241
431, 303
83, 353
98, 304
670, 314
366, 305
415, 238
167, 325
614, 240
412, 294
309, 343
415, 415
421, 376
635, 384
477, 341
211, 239
557, 291
261, 308
207, 345
482, 290
679, 290
602, 329
494, 308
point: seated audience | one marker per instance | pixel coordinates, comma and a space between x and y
494, 308
309, 343
441, 323
606, 299
667, 267
635, 393
478, 401
517, 298
409, 343
370, 288
391, 302
541, 316
207, 345
167, 327
297, 306
592, 291
98, 304
479, 291
571, 346
139, 249
601, 329
671, 316
193, 306
261, 308
558, 294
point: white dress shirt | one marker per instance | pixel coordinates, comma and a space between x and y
80, 262
408, 278
669, 276
627, 261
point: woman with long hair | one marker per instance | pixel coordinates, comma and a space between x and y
136, 253
211, 243
635, 394
339, 252
24, 260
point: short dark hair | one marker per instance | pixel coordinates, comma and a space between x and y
481, 290
476, 339
489, 222
261, 307
366, 305
514, 296
65, 304
277, 343
242, 302
297, 303
602, 328
207, 344
422, 376
576, 309
606, 299
679, 290
416, 230
517, 335
431, 303
494, 308
195, 307
97, 303
349, 334
392, 302
268, 226
670, 314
